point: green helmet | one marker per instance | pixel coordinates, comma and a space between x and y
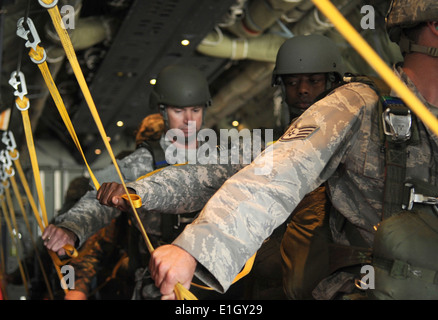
308, 54
180, 86
405, 14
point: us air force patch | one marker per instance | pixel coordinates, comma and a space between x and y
294, 133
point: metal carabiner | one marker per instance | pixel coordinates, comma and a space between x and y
398, 126
18, 82
9, 141
31, 36
8, 170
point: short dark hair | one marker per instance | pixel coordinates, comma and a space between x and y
413, 33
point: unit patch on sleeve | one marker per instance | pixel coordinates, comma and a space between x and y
294, 133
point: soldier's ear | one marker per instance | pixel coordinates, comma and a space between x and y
433, 25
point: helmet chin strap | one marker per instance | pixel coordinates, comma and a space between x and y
407, 46
163, 112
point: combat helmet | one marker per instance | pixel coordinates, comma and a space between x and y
405, 14
181, 86
308, 54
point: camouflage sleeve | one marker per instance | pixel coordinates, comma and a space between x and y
186, 188
87, 216
135, 165
252, 203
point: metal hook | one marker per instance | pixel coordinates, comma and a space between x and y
18, 82
9, 141
25, 34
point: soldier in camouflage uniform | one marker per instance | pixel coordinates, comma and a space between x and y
181, 94
187, 95
307, 68
336, 140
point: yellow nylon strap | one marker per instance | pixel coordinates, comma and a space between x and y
246, 269
26, 220
136, 200
25, 185
22, 105
38, 55
31, 146
14, 241
363, 48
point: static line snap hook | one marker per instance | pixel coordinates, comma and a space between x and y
7, 162
19, 84
9, 141
31, 36
32, 39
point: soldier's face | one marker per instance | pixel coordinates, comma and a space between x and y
303, 89
179, 118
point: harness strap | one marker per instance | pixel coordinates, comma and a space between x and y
157, 152
394, 143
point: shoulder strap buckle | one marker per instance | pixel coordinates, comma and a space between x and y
397, 119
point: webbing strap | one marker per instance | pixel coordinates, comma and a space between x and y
25, 185
23, 105
38, 55
395, 171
